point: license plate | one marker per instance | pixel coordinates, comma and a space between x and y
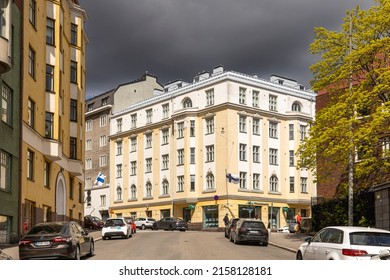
42, 243
253, 231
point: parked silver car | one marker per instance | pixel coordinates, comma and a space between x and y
144, 223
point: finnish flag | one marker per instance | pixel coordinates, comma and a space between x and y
100, 179
231, 178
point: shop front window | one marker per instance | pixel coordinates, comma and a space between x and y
273, 217
210, 216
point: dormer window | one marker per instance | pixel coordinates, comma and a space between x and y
187, 103
296, 107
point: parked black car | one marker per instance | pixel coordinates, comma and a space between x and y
229, 226
249, 230
56, 240
171, 223
93, 222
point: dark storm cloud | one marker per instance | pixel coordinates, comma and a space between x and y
176, 39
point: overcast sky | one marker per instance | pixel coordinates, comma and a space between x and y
176, 39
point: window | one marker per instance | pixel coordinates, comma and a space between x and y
292, 184
165, 109
273, 183
31, 113
133, 144
273, 103
242, 96
49, 123
256, 181
192, 128
209, 125
210, 97
119, 125
256, 126
385, 144
88, 144
71, 182
273, 130
242, 124
148, 165
256, 153
103, 120
103, 160
210, 153
291, 152
192, 184
303, 185
133, 120
30, 165
73, 72
302, 132
291, 131
255, 98
243, 180
50, 31
88, 125
90, 107
49, 78
165, 162
46, 174
31, 62
105, 101
273, 156
88, 163
133, 168
180, 157
102, 141
5, 171
119, 148
118, 193
133, 191
180, 183
187, 103
73, 34
149, 140
119, 170
192, 155
73, 110
242, 151
210, 181
103, 200
296, 107
148, 189
32, 12
165, 187
165, 136
73, 148
180, 130
149, 116
6, 104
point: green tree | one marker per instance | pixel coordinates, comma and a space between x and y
357, 117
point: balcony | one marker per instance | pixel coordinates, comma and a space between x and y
5, 61
52, 149
75, 167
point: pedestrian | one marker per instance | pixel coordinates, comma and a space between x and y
226, 219
298, 219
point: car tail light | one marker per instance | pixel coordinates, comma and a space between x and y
24, 242
243, 230
354, 252
60, 239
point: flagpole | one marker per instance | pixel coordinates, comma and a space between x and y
227, 192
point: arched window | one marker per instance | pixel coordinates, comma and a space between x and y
210, 181
296, 107
165, 187
187, 103
133, 191
273, 184
118, 193
148, 189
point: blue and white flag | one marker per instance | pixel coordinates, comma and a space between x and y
231, 178
100, 179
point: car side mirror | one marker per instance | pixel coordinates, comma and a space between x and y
308, 240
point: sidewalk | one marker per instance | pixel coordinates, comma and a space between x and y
287, 241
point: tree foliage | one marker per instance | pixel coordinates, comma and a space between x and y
354, 70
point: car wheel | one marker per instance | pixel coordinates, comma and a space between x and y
170, 227
143, 227
91, 250
231, 237
299, 256
104, 237
77, 253
235, 241
264, 244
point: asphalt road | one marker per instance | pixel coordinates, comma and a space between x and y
189, 245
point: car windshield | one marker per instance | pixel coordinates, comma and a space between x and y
47, 229
370, 239
253, 225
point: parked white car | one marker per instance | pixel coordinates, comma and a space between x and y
344, 243
144, 223
116, 227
